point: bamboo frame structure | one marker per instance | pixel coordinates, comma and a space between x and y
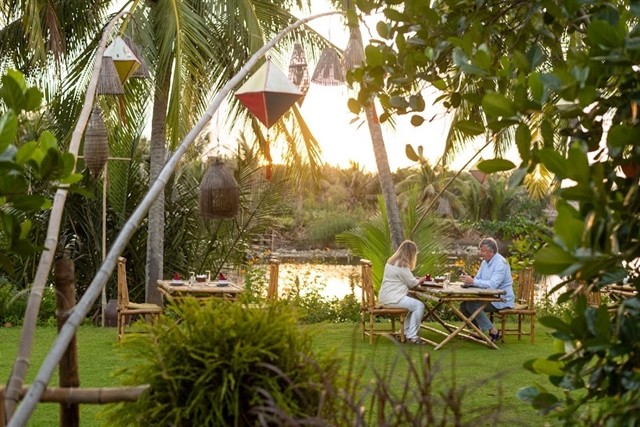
21, 364
76, 396
24, 411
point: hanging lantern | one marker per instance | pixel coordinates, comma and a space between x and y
96, 143
268, 94
219, 192
480, 176
299, 71
142, 72
125, 61
329, 71
108, 80
354, 52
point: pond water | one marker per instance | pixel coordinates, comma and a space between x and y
330, 281
337, 281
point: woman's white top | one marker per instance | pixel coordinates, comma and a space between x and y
396, 283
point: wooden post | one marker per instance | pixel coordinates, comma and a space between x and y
68, 370
272, 292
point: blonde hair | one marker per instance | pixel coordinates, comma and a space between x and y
405, 256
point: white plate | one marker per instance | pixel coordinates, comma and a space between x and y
222, 282
177, 282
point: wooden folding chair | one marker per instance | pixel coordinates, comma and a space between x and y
127, 308
370, 309
524, 306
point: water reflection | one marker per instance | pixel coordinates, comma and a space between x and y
331, 281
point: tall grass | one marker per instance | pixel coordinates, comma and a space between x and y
485, 381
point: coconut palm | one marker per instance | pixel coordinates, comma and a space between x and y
196, 47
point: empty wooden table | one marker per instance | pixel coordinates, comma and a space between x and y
451, 296
220, 288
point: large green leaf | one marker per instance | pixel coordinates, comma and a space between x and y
552, 259
604, 35
553, 161
497, 105
568, 227
470, 127
8, 129
495, 165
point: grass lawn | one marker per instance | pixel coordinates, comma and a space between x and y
489, 377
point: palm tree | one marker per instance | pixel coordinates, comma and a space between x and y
197, 47
354, 58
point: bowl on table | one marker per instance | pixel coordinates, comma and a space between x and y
201, 278
439, 279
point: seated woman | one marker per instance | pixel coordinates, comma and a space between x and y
494, 273
396, 282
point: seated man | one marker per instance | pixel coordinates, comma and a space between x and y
494, 273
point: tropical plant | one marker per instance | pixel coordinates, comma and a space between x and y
552, 61
222, 364
371, 240
433, 183
27, 165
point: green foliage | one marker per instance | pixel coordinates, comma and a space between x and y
25, 164
322, 230
13, 303
303, 294
371, 240
222, 364
541, 71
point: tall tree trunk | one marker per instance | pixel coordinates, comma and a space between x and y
384, 175
354, 56
158, 152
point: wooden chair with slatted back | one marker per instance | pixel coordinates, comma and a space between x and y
127, 308
524, 306
370, 309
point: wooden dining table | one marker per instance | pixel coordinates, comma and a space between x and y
215, 288
437, 296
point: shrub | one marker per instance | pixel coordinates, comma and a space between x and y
302, 294
220, 365
13, 303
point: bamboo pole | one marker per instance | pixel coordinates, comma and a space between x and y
88, 395
274, 272
43, 376
68, 369
21, 364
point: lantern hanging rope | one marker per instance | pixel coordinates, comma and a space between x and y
299, 71
108, 80
329, 71
219, 192
96, 143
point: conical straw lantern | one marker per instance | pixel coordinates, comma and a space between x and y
108, 80
219, 192
354, 52
124, 59
143, 70
299, 71
329, 71
96, 143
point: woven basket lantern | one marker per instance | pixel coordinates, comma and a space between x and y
219, 192
142, 72
299, 71
108, 79
96, 143
329, 71
354, 52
